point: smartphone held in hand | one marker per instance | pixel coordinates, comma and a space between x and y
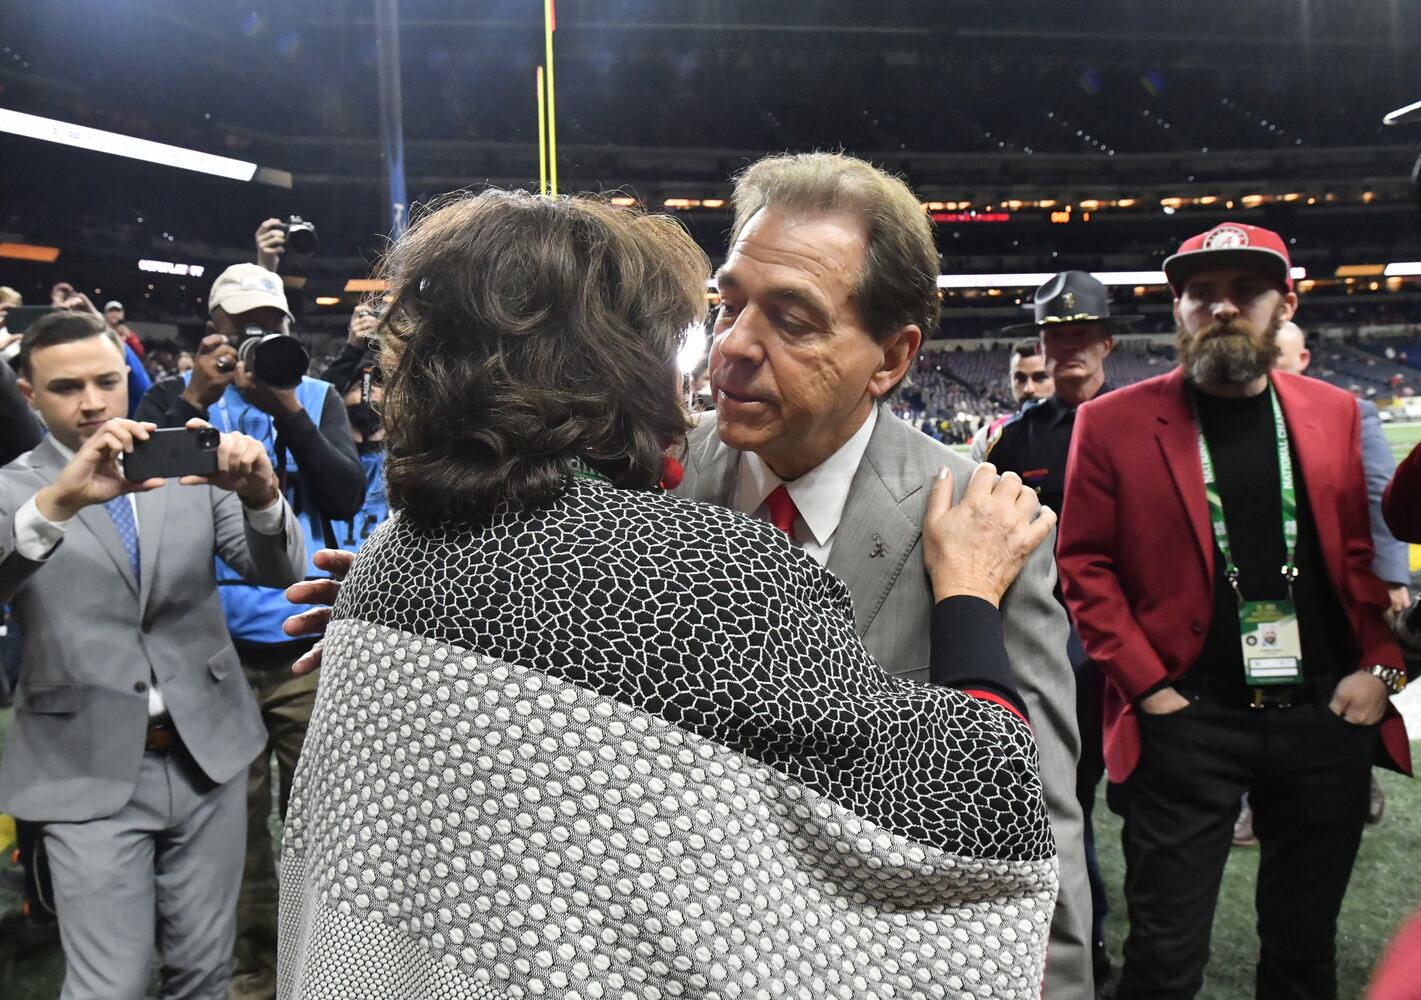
173, 452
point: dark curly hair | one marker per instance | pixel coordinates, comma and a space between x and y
525, 334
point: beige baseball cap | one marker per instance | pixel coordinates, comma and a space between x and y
243, 287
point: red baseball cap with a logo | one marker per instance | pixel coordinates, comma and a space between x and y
1227, 246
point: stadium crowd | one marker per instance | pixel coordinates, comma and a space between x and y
535, 724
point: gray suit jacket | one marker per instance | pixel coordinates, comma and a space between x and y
93, 638
878, 553
1392, 561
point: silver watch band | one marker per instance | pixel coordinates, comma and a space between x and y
1393, 677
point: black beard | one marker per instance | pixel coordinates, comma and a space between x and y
1228, 354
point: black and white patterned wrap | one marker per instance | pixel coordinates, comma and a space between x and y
630, 747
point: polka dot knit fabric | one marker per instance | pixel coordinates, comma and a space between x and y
629, 746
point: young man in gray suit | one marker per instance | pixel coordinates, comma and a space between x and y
830, 282
133, 723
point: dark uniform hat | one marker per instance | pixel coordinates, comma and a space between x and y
1071, 297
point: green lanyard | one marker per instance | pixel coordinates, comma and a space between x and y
1288, 491
581, 470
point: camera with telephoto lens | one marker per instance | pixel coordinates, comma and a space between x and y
300, 236
274, 358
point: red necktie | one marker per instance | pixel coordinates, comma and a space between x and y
782, 510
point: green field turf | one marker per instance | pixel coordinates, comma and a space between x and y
1403, 437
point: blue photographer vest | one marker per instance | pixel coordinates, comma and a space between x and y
350, 535
255, 614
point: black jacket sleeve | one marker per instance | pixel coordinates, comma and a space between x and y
19, 427
331, 473
341, 372
969, 651
164, 405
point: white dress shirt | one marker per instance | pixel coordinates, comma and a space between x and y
819, 495
36, 536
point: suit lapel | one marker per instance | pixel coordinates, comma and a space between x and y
48, 463
876, 535
152, 511
882, 518
1316, 453
1310, 444
712, 469
1179, 442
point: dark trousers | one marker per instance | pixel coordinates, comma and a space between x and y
1306, 772
1089, 770
286, 703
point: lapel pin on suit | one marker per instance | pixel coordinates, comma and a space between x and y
880, 547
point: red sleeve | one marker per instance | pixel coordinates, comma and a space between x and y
1398, 977
1086, 555
997, 699
1401, 503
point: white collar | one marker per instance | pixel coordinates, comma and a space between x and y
820, 494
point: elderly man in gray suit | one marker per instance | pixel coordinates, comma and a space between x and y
133, 722
830, 280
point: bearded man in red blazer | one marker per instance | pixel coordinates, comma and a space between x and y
1215, 553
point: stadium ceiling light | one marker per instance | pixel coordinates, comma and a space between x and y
169, 267
83, 137
1131, 277
1410, 113
1024, 280
29, 251
367, 285
1112, 278
693, 350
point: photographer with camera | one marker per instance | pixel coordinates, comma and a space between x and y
356, 375
274, 238
249, 376
363, 397
359, 351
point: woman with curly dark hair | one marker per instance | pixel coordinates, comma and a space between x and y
578, 738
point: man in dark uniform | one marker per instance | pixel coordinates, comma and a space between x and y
1074, 322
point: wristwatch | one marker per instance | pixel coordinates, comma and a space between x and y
1393, 677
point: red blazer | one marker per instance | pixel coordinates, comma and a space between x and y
1136, 551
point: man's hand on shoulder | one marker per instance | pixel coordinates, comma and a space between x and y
93, 475
977, 546
323, 594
